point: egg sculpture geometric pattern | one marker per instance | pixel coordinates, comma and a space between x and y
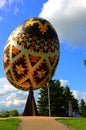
31, 54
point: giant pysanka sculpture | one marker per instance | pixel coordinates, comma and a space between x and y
31, 54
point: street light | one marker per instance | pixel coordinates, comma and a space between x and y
49, 98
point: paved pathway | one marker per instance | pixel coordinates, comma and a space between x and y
41, 123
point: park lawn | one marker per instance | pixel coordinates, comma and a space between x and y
75, 123
9, 124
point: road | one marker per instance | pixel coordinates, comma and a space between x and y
41, 123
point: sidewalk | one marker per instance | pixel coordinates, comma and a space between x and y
41, 123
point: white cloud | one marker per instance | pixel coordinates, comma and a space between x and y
76, 94
6, 87
11, 5
1, 18
16, 10
2, 4
9, 103
83, 95
10, 2
12, 98
68, 18
64, 82
79, 95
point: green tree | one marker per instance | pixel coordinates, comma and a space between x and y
13, 113
83, 108
42, 102
56, 99
68, 96
56, 94
5, 113
59, 99
9, 113
85, 62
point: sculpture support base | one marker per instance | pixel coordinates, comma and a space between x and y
30, 108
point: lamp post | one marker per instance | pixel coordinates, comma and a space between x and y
49, 99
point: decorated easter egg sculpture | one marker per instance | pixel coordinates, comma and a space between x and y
31, 54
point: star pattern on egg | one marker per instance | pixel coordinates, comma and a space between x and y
31, 54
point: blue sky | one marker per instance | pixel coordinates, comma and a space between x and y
69, 19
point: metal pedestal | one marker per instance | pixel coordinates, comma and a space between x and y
30, 108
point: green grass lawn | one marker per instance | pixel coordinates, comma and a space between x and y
75, 123
9, 124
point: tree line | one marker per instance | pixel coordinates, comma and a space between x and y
10, 113
60, 97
